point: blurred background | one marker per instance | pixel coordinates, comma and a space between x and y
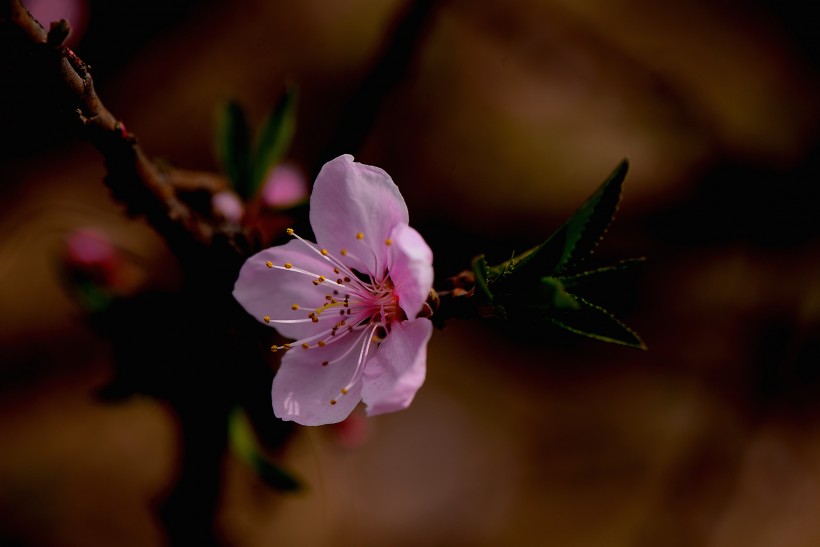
505, 119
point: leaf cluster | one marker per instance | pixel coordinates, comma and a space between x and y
542, 283
245, 157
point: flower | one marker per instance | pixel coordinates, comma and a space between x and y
352, 302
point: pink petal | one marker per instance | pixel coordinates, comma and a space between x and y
350, 198
397, 369
411, 268
269, 291
303, 388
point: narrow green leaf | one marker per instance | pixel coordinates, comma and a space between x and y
275, 136
482, 273
500, 272
93, 297
274, 476
233, 143
246, 446
553, 294
599, 274
592, 321
580, 234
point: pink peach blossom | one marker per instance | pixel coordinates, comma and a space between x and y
351, 302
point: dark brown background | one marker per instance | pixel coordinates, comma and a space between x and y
509, 117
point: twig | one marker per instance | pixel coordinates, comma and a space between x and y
134, 180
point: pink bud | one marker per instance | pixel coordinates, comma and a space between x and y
90, 252
229, 205
285, 186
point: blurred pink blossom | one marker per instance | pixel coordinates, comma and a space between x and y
227, 204
285, 186
90, 252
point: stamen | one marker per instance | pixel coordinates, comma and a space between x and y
330, 258
288, 265
360, 235
294, 307
289, 231
388, 241
363, 352
266, 319
269, 264
305, 345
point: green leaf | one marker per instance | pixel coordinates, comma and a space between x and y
275, 136
598, 275
233, 144
92, 296
580, 234
592, 321
553, 294
245, 445
534, 286
482, 272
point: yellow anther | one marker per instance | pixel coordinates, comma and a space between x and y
286, 346
321, 343
266, 319
294, 307
335, 270
388, 241
269, 264
324, 252
360, 235
274, 349
344, 391
288, 265
305, 345
343, 252
289, 231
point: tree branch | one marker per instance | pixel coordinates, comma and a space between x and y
134, 180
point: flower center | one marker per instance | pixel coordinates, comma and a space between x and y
354, 305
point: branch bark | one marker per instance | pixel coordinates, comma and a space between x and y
134, 180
